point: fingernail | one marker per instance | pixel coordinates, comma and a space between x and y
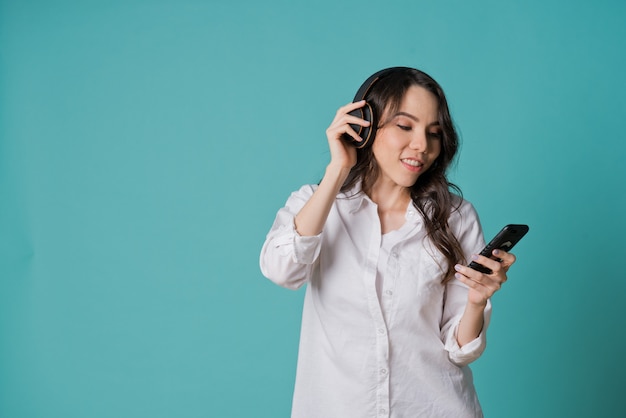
496, 252
457, 275
474, 257
457, 267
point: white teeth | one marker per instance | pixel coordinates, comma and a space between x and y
414, 163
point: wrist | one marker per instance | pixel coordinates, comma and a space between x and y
338, 170
477, 306
336, 175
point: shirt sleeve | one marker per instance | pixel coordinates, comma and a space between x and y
462, 356
468, 230
287, 258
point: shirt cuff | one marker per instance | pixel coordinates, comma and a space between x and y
462, 356
306, 249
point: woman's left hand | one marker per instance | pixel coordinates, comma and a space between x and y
482, 286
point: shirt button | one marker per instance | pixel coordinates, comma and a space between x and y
383, 371
381, 331
388, 292
411, 213
394, 254
383, 412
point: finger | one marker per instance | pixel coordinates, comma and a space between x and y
490, 263
468, 273
351, 106
492, 281
355, 120
352, 134
470, 277
342, 119
485, 284
351, 112
346, 109
345, 125
507, 259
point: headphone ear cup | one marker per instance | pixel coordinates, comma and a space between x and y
366, 112
365, 132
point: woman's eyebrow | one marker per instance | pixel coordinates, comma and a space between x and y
415, 118
408, 115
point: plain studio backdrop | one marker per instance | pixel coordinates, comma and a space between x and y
145, 147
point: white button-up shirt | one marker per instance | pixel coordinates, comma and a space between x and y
378, 336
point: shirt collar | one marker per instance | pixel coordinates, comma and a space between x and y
412, 214
355, 199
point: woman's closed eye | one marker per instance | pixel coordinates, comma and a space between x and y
435, 135
408, 128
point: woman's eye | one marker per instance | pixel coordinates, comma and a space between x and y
435, 135
404, 127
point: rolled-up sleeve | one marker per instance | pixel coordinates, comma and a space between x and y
469, 233
287, 258
462, 356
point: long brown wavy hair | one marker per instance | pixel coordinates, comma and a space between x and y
432, 193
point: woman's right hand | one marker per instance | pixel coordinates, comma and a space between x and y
312, 217
342, 154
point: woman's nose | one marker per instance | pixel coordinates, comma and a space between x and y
419, 142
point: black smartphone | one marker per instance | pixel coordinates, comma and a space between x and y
505, 240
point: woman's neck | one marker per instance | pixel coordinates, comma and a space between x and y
392, 203
390, 197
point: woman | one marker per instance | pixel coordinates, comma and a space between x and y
392, 317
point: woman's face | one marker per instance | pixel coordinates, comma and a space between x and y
410, 140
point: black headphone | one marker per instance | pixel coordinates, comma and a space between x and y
366, 112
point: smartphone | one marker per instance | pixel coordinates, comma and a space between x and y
505, 240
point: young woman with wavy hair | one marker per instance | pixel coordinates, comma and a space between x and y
392, 317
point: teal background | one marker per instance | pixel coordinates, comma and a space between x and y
145, 147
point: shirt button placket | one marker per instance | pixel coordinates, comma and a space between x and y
383, 372
382, 340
